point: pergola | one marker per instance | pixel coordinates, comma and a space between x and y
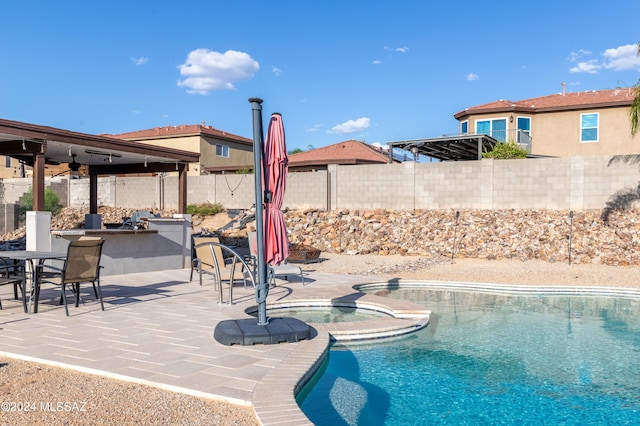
447, 148
39, 145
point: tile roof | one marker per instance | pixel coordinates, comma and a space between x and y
347, 152
183, 130
557, 102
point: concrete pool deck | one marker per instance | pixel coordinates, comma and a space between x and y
157, 329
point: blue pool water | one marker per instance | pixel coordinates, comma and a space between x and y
490, 359
325, 314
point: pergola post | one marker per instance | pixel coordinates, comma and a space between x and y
93, 194
182, 189
38, 181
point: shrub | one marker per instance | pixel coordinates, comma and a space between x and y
506, 151
51, 202
205, 209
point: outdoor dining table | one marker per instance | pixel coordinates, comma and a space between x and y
30, 269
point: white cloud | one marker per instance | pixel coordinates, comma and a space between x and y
351, 126
575, 56
621, 58
472, 76
314, 128
588, 67
277, 71
381, 145
376, 62
139, 61
205, 70
396, 49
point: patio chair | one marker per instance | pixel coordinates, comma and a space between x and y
17, 283
211, 260
202, 259
284, 269
82, 264
11, 275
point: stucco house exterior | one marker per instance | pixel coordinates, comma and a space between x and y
220, 151
12, 168
589, 123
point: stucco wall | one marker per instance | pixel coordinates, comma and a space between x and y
557, 133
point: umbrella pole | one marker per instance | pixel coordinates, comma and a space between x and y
262, 287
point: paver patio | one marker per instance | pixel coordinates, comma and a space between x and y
157, 329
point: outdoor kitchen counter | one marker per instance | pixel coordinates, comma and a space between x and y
165, 245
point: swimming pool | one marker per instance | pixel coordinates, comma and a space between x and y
320, 314
489, 358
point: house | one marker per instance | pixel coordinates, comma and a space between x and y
588, 123
343, 153
220, 151
13, 168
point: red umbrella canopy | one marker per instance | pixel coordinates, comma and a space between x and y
274, 179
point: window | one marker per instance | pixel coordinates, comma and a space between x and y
589, 127
7, 162
524, 130
222, 150
497, 129
464, 127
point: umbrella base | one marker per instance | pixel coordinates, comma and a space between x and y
248, 332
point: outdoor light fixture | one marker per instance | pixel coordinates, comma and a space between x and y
24, 147
511, 119
108, 155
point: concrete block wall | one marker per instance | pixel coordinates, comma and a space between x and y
233, 190
168, 192
576, 183
541, 184
200, 190
9, 217
622, 175
140, 191
107, 191
450, 185
307, 190
13, 189
374, 186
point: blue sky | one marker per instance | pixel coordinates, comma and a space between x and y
376, 71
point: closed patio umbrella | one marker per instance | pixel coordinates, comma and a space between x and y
274, 178
271, 236
271, 166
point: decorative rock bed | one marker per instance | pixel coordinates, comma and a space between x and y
549, 235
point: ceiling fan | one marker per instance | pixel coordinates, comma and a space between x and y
73, 165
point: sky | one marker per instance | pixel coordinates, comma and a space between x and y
374, 71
